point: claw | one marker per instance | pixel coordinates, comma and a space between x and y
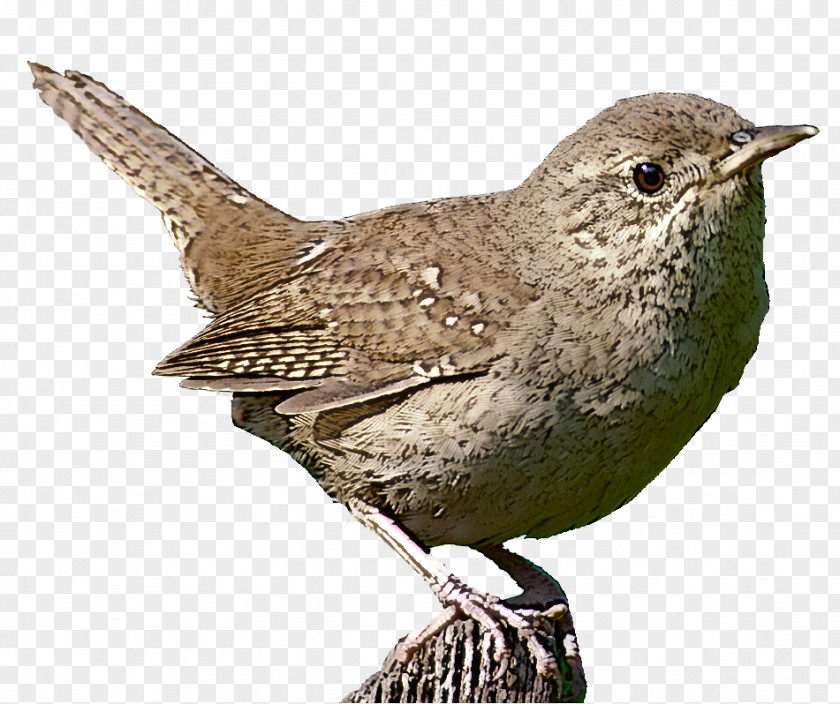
415, 640
556, 612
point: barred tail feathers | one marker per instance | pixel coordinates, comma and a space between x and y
217, 225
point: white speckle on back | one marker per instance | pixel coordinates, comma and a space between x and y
313, 249
426, 302
431, 277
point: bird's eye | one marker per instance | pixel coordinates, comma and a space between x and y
649, 178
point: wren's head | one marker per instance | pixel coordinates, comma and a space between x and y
658, 184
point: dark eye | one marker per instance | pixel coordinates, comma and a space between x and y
649, 178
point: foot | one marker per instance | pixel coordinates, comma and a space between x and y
491, 612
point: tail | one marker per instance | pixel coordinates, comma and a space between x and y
228, 238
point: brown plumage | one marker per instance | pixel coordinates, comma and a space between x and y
470, 370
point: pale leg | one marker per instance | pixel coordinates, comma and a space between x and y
460, 600
540, 591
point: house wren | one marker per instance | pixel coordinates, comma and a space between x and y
469, 370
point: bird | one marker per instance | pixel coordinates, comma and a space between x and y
474, 369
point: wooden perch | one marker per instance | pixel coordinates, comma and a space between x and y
458, 666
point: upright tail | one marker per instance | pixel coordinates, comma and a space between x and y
228, 238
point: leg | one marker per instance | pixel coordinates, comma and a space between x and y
540, 591
460, 600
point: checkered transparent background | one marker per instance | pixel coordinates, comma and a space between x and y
149, 551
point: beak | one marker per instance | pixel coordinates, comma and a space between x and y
765, 142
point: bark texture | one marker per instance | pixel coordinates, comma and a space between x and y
458, 665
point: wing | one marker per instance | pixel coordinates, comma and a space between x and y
230, 240
365, 320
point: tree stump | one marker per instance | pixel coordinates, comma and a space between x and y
457, 665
